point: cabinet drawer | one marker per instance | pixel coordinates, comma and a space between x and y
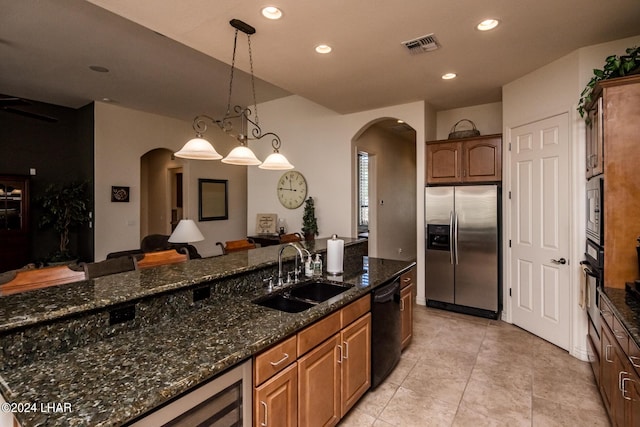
407, 279
621, 335
321, 330
606, 313
634, 354
274, 360
355, 310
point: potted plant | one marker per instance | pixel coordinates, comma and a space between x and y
64, 208
309, 220
614, 66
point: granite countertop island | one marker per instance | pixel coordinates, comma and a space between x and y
58, 345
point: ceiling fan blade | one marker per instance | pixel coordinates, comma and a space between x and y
13, 101
36, 116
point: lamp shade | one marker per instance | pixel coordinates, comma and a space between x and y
186, 231
241, 155
276, 161
198, 149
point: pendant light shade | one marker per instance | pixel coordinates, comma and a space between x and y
250, 130
276, 161
241, 156
198, 148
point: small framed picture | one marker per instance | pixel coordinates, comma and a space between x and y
119, 194
266, 223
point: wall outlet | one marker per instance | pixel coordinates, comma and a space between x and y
399, 250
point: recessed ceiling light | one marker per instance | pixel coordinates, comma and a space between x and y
271, 12
99, 68
488, 24
449, 76
323, 48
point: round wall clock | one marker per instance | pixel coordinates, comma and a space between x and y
292, 189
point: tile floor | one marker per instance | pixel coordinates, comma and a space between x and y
462, 370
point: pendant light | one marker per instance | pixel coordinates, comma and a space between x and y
199, 148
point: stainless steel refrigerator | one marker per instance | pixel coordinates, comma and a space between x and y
463, 249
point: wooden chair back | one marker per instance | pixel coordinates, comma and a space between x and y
27, 280
291, 237
237, 245
153, 259
108, 266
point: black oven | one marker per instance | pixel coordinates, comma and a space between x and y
593, 277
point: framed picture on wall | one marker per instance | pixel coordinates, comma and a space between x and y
119, 194
212, 199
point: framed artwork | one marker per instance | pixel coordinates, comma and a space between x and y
212, 199
119, 194
266, 223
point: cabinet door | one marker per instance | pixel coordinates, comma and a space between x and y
356, 361
595, 141
631, 388
482, 160
607, 371
406, 309
443, 162
275, 402
319, 385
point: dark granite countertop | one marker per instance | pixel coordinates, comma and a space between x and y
627, 309
29, 308
114, 380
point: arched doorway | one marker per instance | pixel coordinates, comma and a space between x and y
161, 192
384, 191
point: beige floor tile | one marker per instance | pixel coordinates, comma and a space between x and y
374, 401
409, 409
405, 365
550, 414
470, 415
461, 371
357, 418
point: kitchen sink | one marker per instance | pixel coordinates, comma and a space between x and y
317, 291
301, 297
282, 303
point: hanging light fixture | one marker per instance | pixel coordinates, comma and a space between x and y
199, 148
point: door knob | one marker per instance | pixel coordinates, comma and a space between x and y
559, 261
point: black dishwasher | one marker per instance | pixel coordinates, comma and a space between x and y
385, 330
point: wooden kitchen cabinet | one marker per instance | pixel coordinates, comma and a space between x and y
619, 364
275, 378
319, 385
356, 362
275, 402
332, 363
617, 103
407, 298
477, 159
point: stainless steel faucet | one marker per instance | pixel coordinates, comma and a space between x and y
296, 269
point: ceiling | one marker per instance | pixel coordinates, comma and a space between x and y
172, 57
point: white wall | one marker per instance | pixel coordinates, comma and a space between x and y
548, 91
487, 118
122, 136
317, 141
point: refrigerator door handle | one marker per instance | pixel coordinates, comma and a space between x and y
455, 236
451, 237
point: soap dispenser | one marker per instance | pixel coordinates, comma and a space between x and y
317, 266
308, 267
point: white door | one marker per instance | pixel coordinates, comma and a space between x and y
539, 234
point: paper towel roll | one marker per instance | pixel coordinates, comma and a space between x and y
335, 254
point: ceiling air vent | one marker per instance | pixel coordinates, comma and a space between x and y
422, 44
